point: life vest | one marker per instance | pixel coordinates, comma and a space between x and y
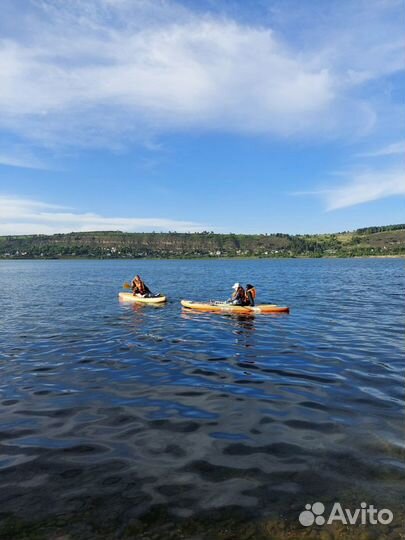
141, 287
138, 286
250, 292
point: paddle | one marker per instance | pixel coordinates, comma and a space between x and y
126, 286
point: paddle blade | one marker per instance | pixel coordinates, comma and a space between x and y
126, 286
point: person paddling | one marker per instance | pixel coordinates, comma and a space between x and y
139, 287
250, 295
238, 297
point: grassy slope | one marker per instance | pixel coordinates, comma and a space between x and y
382, 241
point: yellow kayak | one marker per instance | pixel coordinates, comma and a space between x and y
129, 297
223, 307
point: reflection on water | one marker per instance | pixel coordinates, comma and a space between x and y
114, 410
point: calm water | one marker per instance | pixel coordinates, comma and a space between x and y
114, 410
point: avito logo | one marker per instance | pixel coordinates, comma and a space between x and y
365, 515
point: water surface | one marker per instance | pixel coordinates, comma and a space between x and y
114, 410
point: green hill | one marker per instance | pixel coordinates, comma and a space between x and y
388, 240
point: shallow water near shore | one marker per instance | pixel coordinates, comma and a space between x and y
129, 419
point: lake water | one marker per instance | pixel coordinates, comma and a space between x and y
111, 412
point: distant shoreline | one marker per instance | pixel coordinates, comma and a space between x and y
385, 241
252, 258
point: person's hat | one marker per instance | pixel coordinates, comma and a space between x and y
236, 286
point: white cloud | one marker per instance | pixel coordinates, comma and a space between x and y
26, 216
389, 150
365, 187
107, 72
115, 69
361, 188
201, 73
16, 157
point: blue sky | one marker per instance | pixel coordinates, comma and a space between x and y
232, 116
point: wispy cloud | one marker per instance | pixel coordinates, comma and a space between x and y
17, 157
106, 73
198, 74
389, 150
360, 188
27, 216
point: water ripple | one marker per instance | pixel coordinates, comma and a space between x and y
192, 411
